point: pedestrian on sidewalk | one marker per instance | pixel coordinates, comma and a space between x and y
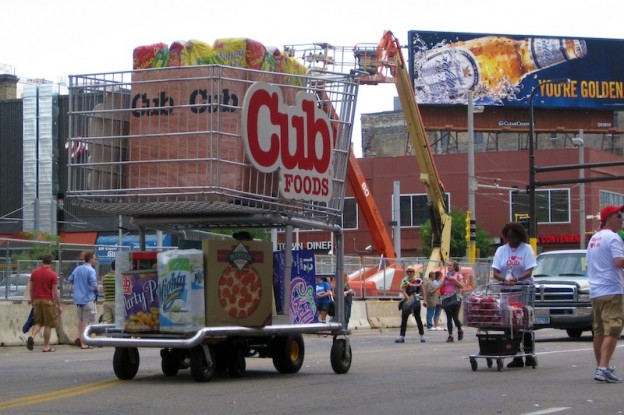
411, 289
46, 302
85, 287
605, 260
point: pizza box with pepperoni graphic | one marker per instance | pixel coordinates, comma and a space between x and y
239, 288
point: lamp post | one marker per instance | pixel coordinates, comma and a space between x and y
532, 205
579, 143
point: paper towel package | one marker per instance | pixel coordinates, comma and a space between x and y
181, 290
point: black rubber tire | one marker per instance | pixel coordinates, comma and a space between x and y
236, 364
170, 362
499, 365
340, 357
126, 362
473, 364
488, 361
201, 371
288, 353
574, 333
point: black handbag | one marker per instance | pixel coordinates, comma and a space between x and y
450, 302
332, 309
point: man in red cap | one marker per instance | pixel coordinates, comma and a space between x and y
605, 260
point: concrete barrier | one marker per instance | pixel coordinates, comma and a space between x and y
13, 315
359, 316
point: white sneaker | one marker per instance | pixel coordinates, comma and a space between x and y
606, 375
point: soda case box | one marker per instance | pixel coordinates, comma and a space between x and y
238, 283
143, 260
302, 285
140, 300
181, 290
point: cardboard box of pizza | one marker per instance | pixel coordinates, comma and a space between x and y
239, 288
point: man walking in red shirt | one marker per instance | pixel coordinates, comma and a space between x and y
46, 302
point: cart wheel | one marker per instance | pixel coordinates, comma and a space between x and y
201, 369
499, 364
534, 363
340, 357
489, 362
126, 362
170, 362
473, 364
288, 353
236, 364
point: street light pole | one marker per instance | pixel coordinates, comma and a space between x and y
532, 204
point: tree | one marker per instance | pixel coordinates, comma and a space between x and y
458, 237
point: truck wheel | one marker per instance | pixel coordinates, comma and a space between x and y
126, 362
574, 333
288, 353
201, 369
340, 357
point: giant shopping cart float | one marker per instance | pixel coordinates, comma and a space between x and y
502, 315
190, 149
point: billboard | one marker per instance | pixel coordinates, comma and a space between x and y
503, 70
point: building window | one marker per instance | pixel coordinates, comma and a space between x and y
349, 218
414, 210
610, 198
552, 205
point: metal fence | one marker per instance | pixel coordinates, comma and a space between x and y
371, 277
19, 257
375, 277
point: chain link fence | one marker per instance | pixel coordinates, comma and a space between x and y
19, 257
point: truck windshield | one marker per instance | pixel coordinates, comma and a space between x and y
564, 264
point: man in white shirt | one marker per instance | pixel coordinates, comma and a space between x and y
605, 260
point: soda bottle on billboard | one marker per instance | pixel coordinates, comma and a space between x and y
491, 66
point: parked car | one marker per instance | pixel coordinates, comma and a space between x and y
14, 286
562, 292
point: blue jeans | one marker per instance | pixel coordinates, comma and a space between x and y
431, 312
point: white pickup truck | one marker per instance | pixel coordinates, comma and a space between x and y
562, 292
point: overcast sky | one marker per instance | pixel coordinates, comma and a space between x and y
52, 39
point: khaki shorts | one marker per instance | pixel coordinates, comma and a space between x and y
45, 313
87, 312
608, 314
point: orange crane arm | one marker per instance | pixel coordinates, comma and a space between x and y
365, 200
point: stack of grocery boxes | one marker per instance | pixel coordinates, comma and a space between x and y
225, 283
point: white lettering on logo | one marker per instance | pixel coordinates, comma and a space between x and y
296, 140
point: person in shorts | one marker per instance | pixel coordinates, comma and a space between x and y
46, 302
605, 260
84, 280
323, 297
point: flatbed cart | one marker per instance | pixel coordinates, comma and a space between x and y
191, 149
503, 315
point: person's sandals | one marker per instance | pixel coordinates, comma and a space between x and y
86, 347
30, 343
51, 349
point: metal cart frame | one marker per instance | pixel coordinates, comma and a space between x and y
215, 185
502, 315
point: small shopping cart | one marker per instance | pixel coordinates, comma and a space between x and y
503, 315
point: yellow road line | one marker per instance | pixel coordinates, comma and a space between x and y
57, 394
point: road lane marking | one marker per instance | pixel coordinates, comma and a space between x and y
548, 411
57, 394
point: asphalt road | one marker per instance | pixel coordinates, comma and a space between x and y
385, 378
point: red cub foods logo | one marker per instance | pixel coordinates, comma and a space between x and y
296, 140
